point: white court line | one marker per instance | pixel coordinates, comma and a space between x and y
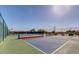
35, 47
60, 47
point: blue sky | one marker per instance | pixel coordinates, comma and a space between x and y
40, 16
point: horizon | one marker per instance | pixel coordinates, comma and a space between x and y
56, 29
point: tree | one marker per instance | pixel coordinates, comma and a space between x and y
42, 31
32, 30
71, 33
68, 31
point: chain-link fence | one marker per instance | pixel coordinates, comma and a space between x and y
3, 29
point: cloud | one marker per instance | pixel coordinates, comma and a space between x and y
61, 10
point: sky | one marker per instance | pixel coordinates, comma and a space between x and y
25, 17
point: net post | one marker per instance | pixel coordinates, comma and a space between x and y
18, 35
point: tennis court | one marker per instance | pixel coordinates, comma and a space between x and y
48, 44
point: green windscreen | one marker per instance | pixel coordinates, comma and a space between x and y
3, 29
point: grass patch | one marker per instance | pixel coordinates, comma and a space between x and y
14, 46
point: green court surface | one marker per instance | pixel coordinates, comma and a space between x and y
11, 45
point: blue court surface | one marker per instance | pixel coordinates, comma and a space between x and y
48, 44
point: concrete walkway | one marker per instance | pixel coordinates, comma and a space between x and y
72, 47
